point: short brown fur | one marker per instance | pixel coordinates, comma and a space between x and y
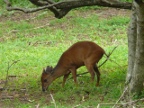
79, 54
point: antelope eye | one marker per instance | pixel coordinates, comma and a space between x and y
45, 80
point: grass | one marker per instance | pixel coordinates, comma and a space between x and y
39, 47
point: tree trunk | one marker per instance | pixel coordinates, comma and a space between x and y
132, 37
135, 76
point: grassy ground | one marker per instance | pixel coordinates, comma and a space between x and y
30, 42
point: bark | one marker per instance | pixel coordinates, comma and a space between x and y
132, 37
136, 55
60, 9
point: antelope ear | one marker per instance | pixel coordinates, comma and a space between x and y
48, 69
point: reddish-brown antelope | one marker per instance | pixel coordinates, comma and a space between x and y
79, 54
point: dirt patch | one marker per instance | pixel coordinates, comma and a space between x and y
23, 93
110, 12
105, 13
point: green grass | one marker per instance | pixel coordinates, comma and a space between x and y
39, 47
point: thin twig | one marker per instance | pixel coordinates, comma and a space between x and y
108, 56
37, 106
132, 102
53, 100
127, 103
108, 104
8, 68
123, 94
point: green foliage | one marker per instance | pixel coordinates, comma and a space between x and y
138, 95
36, 45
